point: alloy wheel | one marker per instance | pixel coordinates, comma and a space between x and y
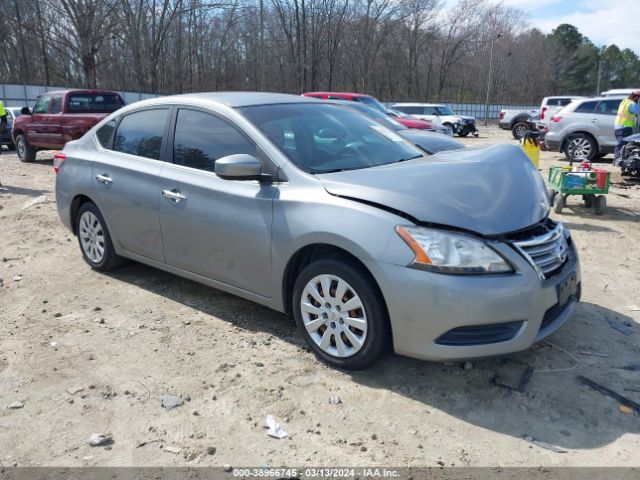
580, 148
334, 315
91, 236
520, 131
22, 149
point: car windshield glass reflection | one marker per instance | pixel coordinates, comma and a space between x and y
445, 111
328, 138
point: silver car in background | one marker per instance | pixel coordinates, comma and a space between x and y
313, 209
584, 129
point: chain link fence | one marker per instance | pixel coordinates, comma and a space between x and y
14, 95
477, 109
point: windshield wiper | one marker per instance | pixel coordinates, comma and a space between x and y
419, 155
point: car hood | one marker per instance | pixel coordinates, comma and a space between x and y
414, 123
431, 142
488, 190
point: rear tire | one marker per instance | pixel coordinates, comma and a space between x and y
584, 146
589, 200
321, 316
26, 152
94, 239
518, 130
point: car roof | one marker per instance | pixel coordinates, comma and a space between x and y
618, 91
419, 105
236, 99
597, 99
345, 94
554, 97
79, 90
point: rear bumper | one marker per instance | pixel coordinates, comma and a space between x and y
552, 141
425, 306
504, 125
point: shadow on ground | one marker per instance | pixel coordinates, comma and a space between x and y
553, 407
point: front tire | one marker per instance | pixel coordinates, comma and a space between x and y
26, 152
339, 311
94, 239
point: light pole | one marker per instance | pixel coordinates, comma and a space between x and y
486, 104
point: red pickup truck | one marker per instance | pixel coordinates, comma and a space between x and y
59, 117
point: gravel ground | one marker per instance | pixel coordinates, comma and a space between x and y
85, 353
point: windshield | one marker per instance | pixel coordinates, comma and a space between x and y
94, 103
372, 102
322, 138
445, 111
376, 115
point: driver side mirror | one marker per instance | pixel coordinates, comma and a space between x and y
25, 111
241, 166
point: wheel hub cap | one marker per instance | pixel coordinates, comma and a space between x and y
334, 315
91, 237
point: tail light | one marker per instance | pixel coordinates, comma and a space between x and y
556, 118
544, 109
58, 158
502, 115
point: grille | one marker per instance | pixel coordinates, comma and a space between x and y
480, 334
547, 251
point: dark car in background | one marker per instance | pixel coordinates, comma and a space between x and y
5, 137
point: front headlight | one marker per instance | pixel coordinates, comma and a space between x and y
449, 252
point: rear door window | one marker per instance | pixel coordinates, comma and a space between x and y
201, 138
586, 107
608, 107
141, 133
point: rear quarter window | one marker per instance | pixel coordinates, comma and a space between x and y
105, 134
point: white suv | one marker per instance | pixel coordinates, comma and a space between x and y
584, 129
440, 114
550, 105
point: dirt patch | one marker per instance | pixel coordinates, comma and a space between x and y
92, 353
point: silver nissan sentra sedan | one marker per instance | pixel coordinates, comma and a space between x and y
315, 210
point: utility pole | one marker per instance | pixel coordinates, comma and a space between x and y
486, 104
599, 70
262, 64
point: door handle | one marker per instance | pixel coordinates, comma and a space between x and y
174, 195
594, 120
104, 178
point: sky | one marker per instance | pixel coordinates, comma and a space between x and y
603, 21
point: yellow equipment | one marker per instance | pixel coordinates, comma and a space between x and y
530, 143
